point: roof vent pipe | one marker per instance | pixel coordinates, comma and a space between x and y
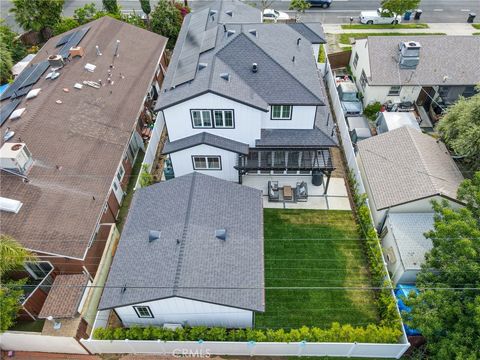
254, 67
298, 41
293, 59
98, 50
224, 28
116, 48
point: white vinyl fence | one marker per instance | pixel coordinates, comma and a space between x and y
152, 146
343, 127
251, 348
30, 341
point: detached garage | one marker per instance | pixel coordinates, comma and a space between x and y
190, 254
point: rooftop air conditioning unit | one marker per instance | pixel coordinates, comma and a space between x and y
409, 54
16, 157
56, 61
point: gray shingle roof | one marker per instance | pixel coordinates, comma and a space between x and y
408, 230
272, 47
439, 57
206, 139
294, 138
404, 165
313, 32
201, 267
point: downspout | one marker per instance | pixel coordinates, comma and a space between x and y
382, 222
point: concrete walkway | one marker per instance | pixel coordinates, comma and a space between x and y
449, 29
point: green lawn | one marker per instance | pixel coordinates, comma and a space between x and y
314, 248
345, 37
476, 26
122, 213
385, 26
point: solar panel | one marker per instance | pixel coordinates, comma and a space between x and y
36, 73
188, 60
64, 39
18, 82
7, 109
74, 40
209, 39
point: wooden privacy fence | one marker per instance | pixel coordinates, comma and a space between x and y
339, 59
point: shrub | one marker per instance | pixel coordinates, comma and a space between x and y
64, 25
371, 110
321, 55
337, 333
146, 178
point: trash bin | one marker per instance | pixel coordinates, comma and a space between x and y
317, 177
407, 15
418, 13
471, 16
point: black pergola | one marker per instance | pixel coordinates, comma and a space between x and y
314, 160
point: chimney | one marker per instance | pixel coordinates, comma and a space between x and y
254, 67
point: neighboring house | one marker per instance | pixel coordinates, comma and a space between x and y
191, 253
428, 72
403, 170
64, 171
404, 244
241, 97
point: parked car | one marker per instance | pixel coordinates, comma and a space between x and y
274, 15
348, 94
380, 16
323, 3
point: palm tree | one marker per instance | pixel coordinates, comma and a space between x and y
12, 254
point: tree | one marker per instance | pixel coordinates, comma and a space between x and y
460, 129
146, 178
12, 256
147, 9
399, 6
166, 20
85, 14
299, 6
111, 6
447, 310
13, 45
37, 15
5, 64
469, 193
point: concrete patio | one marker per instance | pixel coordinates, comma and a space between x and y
335, 199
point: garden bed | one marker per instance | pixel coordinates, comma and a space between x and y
317, 249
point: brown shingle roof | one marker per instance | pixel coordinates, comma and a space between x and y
78, 145
405, 165
64, 296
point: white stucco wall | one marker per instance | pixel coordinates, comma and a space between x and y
182, 162
303, 117
247, 119
187, 312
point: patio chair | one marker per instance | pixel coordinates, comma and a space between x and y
301, 191
273, 191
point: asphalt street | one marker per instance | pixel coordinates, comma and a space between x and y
434, 11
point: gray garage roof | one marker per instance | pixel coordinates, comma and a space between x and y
313, 32
187, 259
287, 71
404, 165
294, 138
408, 230
205, 138
444, 60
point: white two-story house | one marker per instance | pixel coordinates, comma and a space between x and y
245, 98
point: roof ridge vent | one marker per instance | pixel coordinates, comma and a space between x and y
221, 234
202, 66
230, 32
154, 235
253, 32
229, 12
225, 76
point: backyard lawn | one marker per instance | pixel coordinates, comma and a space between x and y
314, 248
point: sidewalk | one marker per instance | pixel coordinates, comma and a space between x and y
448, 28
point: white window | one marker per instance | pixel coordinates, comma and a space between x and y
120, 173
223, 118
201, 118
201, 162
355, 60
394, 90
281, 112
363, 80
143, 311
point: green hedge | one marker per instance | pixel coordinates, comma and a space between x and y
386, 303
337, 333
